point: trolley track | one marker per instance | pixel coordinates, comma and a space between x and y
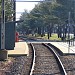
33, 60
47, 62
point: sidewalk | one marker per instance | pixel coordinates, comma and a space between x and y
64, 47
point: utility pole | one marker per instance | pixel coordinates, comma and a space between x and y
69, 31
3, 26
14, 17
74, 17
69, 25
14, 9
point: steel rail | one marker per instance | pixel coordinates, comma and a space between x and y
33, 60
57, 59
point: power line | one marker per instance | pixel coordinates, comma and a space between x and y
19, 12
33, 1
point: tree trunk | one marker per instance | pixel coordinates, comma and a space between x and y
39, 30
59, 32
42, 31
48, 32
48, 35
74, 31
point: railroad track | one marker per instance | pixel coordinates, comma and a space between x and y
46, 61
44, 64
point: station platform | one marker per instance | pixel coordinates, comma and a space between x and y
21, 48
64, 47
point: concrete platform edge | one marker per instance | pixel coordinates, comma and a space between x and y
63, 48
21, 50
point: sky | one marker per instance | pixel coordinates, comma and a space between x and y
21, 6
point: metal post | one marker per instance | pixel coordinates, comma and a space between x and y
69, 47
69, 31
14, 19
14, 9
69, 26
3, 26
73, 42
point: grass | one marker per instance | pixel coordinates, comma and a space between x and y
53, 37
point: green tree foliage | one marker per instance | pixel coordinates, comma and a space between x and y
66, 6
0, 7
24, 26
48, 14
41, 16
8, 9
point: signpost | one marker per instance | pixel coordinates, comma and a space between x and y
3, 26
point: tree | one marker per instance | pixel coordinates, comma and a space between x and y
8, 10
24, 26
41, 17
68, 7
48, 14
48, 17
